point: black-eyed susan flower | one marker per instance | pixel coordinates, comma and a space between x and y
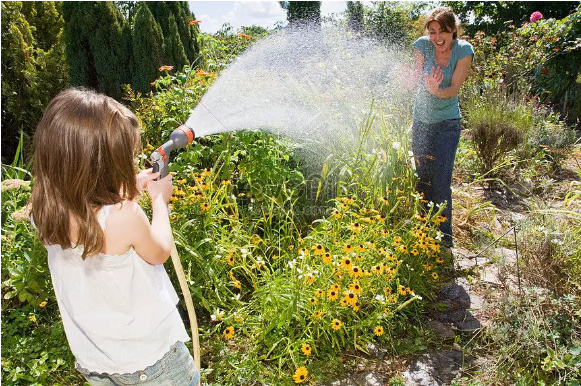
306, 349
313, 301
439, 260
360, 248
435, 275
355, 287
380, 218
301, 375
348, 248
327, 258
336, 287
205, 207
319, 314
356, 272
356, 306
387, 290
384, 200
344, 302
401, 289
414, 252
255, 240
347, 263
427, 267
304, 252
377, 269
403, 249
336, 324
318, 249
226, 182
228, 333
333, 295
319, 293
378, 330
32, 318
43, 304
231, 260
397, 241
355, 227
336, 214
351, 297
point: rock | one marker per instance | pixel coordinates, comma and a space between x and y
468, 324
434, 368
376, 351
443, 331
361, 379
453, 316
457, 295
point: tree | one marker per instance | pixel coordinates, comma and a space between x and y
355, 15
94, 46
491, 16
174, 50
302, 11
34, 69
147, 49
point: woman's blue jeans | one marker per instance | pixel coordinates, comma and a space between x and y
434, 146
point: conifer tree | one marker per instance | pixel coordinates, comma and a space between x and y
147, 49
174, 50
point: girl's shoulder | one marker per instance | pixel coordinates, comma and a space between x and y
120, 221
463, 48
423, 44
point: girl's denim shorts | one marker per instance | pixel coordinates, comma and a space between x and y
175, 368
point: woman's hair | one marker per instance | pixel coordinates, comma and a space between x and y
84, 150
447, 20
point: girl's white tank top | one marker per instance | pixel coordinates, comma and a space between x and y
119, 312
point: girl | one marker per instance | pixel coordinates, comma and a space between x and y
443, 61
106, 260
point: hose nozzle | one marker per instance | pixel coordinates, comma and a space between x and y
179, 138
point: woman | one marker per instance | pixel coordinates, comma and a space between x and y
443, 61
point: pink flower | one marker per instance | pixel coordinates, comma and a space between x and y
536, 16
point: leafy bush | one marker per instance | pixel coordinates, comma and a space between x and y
535, 339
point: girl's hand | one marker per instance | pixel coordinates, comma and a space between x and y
162, 188
143, 177
434, 79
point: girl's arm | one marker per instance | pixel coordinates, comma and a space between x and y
435, 77
153, 242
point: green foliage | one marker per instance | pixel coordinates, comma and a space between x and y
147, 49
492, 16
94, 46
35, 349
174, 50
33, 66
536, 340
302, 11
540, 58
390, 21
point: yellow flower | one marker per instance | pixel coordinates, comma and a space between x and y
351, 297
421, 218
237, 284
181, 182
313, 301
319, 249
231, 259
355, 227
327, 258
336, 324
32, 318
378, 330
355, 272
428, 267
301, 375
336, 287
414, 252
380, 218
348, 248
226, 182
377, 269
333, 295
228, 333
401, 290
344, 302
207, 172
397, 241
255, 240
384, 200
435, 275
403, 248
355, 287
304, 252
173, 198
43, 304
306, 349
387, 311
205, 207
319, 314
336, 214
309, 278
439, 260
387, 290
356, 306
347, 263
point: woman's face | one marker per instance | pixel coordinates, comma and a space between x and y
441, 39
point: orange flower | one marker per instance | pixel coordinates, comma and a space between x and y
166, 68
244, 36
192, 22
202, 73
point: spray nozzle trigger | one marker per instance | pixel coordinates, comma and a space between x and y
179, 138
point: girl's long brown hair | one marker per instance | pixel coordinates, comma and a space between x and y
84, 150
447, 20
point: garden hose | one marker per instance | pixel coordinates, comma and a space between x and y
189, 304
179, 138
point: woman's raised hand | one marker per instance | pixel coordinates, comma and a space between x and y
434, 79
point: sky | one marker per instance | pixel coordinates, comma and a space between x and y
214, 14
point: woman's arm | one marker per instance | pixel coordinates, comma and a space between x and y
434, 79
